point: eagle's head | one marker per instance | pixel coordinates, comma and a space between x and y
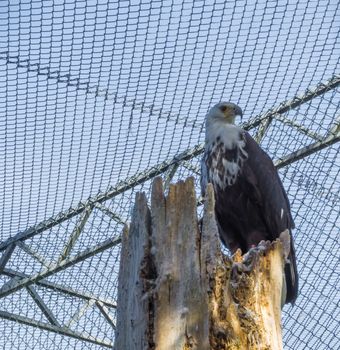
224, 112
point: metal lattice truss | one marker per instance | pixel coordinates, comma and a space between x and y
81, 221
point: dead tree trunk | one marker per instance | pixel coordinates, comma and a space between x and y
178, 291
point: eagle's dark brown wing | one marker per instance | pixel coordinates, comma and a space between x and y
255, 207
266, 188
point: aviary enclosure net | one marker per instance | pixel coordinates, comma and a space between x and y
99, 97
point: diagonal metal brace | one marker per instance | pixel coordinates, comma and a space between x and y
42, 306
106, 313
6, 255
76, 233
80, 313
110, 213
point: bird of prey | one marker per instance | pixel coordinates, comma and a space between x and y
251, 203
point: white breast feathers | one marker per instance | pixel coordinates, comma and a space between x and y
225, 154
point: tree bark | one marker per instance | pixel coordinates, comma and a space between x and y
177, 290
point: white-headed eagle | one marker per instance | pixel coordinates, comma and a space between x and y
251, 203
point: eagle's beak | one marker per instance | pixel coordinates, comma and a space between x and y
238, 112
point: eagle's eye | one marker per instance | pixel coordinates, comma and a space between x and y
223, 108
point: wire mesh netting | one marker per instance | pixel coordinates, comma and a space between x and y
99, 97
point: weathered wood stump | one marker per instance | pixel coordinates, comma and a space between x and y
178, 291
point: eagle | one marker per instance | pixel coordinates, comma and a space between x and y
251, 203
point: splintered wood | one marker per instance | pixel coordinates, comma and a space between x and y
178, 291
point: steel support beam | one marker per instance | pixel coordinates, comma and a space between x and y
307, 151
299, 127
195, 169
80, 313
6, 255
42, 306
171, 174
13, 281
106, 313
75, 233
263, 127
110, 213
68, 262
61, 289
52, 328
335, 129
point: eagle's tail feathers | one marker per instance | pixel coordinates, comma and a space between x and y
291, 274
